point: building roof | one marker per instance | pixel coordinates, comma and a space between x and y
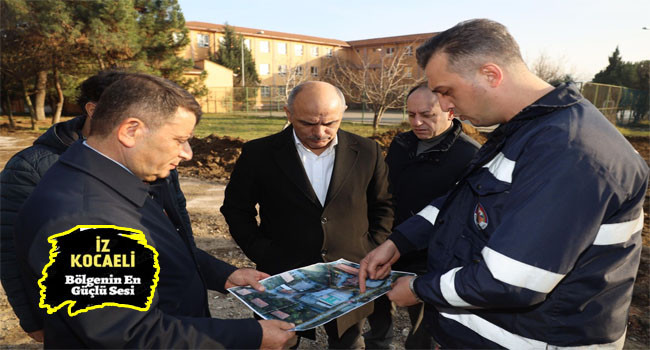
266, 34
392, 40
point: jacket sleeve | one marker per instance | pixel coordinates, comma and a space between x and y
119, 327
180, 200
17, 182
380, 206
239, 208
559, 205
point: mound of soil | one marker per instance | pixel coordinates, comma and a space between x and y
214, 157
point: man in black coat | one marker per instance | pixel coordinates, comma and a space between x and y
21, 175
322, 195
138, 134
425, 163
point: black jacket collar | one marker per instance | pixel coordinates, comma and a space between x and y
61, 135
409, 141
105, 170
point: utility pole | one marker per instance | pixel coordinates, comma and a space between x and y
243, 74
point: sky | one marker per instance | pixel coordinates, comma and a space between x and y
578, 35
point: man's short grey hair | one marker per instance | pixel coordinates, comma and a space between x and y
296, 90
469, 43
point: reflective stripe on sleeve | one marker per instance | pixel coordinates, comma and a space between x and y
619, 232
501, 167
448, 289
430, 213
519, 274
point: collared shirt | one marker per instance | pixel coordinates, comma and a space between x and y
318, 167
113, 160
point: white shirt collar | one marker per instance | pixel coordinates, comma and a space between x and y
114, 161
329, 149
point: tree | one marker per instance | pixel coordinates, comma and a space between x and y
551, 71
293, 77
632, 75
613, 73
163, 35
382, 80
229, 56
27, 55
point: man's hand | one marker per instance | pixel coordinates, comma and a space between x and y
376, 264
401, 294
245, 277
276, 334
36, 335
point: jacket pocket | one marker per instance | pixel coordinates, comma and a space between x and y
368, 243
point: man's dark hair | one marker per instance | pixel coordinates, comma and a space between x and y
92, 88
469, 43
151, 99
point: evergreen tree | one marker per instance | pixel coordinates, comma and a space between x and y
163, 34
613, 73
229, 55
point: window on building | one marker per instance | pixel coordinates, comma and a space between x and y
409, 72
329, 52
282, 48
328, 71
314, 71
282, 90
203, 40
282, 69
264, 69
297, 50
265, 91
221, 40
390, 51
409, 50
314, 51
299, 70
247, 43
264, 46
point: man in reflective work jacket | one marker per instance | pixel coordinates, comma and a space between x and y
539, 243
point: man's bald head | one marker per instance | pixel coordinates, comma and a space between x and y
315, 88
315, 110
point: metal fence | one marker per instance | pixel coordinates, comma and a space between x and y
619, 104
262, 100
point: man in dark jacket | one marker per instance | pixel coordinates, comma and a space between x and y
538, 245
423, 164
21, 175
322, 195
138, 134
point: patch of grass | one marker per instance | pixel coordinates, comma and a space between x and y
641, 128
253, 127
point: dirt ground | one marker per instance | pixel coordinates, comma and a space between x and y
203, 181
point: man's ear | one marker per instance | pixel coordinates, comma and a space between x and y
492, 73
288, 113
129, 131
90, 108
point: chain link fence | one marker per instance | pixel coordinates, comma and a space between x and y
619, 104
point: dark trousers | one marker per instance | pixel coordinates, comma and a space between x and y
379, 336
381, 333
351, 339
421, 339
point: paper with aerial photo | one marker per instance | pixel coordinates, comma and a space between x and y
313, 295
